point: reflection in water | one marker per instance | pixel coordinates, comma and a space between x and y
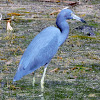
42, 96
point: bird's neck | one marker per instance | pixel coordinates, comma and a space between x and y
62, 25
64, 28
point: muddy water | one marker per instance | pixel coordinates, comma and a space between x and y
74, 72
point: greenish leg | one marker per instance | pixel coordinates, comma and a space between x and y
42, 79
34, 79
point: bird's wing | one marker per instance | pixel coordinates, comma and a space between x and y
41, 49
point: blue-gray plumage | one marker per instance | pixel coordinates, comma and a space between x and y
45, 45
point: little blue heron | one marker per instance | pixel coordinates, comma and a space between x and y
44, 46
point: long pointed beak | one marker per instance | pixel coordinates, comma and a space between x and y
77, 18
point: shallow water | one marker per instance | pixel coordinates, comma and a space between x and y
77, 63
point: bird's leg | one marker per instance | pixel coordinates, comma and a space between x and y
42, 79
33, 78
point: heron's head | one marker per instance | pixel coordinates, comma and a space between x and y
69, 14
